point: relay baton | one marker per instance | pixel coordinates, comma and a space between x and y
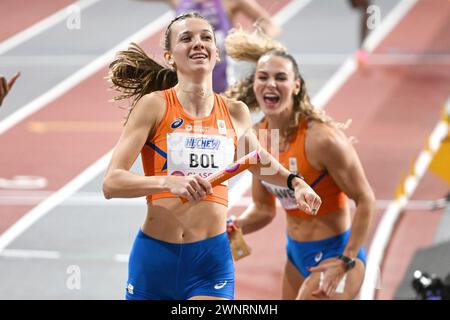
247, 161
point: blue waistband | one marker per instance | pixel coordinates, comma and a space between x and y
207, 242
335, 241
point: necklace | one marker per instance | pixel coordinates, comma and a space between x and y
200, 93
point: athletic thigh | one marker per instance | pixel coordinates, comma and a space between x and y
292, 281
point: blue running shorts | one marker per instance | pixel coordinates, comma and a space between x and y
310, 253
159, 270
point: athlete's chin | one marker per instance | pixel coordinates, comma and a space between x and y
201, 69
271, 109
201, 62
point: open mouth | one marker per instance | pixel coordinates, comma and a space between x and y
271, 99
198, 56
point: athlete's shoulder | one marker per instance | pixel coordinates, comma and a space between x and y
327, 138
154, 98
238, 109
149, 109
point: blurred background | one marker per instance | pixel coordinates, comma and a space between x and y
385, 65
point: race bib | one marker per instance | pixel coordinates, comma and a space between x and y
201, 154
285, 195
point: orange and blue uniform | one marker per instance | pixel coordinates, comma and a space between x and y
184, 145
294, 159
309, 253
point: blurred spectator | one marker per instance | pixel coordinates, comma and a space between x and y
5, 85
222, 14
362, 5
430, 287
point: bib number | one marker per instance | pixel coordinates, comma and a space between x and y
190, 154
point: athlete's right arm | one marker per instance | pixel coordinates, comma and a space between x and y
119, 182
253, 10
260, 212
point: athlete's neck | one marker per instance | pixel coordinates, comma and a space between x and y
197, 99
280, 120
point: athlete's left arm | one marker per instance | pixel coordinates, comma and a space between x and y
335, 153
269, 169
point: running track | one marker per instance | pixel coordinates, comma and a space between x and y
393, 110
26, 14
388, 105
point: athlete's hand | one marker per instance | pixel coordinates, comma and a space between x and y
231, 225
333, 271
192, 188
5, 85
307, 200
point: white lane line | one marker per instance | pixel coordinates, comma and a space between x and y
289, 11
376, 59
282, 16
82, 74
372, 41
31, 217
23, 182
69, 189
388, 24
46, 60
243, 183
236, 198
348, 68
54, 200
336, 82
330, 89
30, 254
321, 59
43, 25
49, 255
385, 228
121, 258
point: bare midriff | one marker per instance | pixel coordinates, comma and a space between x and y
319, 228
171, 221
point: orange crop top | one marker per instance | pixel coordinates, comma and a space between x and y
184, 145
294, 159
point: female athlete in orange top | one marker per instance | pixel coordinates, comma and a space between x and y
310, 142
184, 132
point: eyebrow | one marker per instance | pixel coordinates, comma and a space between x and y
277, 74
190, 32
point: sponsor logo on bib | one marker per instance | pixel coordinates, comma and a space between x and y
204, 143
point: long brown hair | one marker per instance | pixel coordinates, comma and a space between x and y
245, 46
134, 74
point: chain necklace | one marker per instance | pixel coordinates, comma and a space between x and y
201, 93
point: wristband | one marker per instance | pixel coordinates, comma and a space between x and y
289, 180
